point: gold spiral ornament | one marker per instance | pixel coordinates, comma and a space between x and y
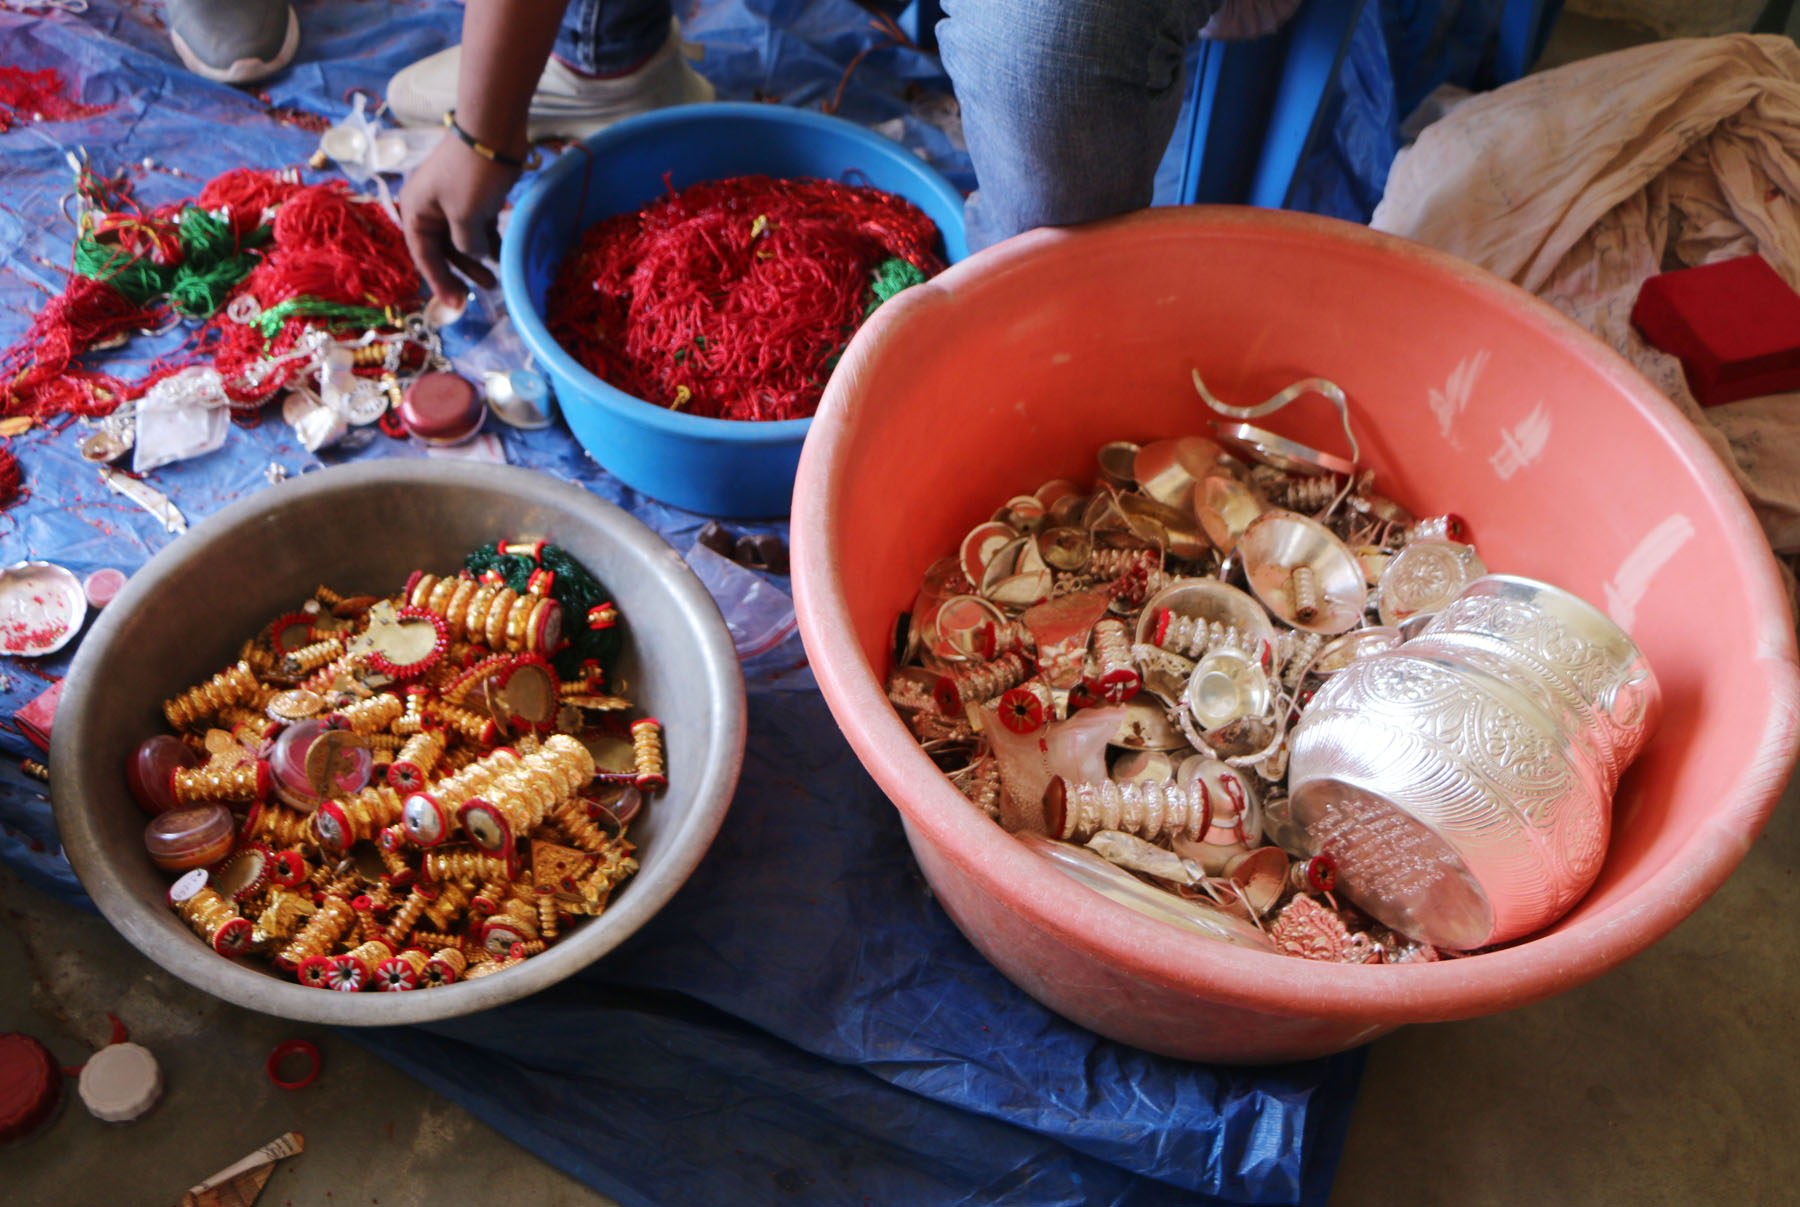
234, 685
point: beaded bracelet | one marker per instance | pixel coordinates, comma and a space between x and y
486, 152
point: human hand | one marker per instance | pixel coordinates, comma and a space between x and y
449, 212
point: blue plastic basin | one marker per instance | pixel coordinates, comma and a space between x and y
721, 467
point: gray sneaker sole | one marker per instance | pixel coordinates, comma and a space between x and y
243, 71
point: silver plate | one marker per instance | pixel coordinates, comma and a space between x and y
42, 607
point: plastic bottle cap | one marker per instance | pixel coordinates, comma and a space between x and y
30, 1087
190, 883
120, 1082
442, 408
102, 585
520, 397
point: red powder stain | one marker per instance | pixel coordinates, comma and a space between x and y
20, 637
37, 96
300, 119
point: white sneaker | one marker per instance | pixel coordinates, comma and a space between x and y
567, 104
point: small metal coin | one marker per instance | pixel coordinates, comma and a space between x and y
295, 705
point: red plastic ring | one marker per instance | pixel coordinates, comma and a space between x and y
293, 1047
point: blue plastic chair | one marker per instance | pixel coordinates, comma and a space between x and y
1259, 107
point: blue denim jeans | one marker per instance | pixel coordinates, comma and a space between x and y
604, 37
1067, 105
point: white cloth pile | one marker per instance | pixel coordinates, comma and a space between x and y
1580, 183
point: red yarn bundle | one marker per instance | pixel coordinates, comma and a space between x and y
37, 96
732, 298
326, 248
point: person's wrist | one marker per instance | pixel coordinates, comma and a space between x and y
513, 151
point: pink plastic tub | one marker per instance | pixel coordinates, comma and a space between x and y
1469, 395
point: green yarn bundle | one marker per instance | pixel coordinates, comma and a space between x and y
212, 262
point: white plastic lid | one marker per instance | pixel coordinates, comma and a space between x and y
120, 1082
187, 886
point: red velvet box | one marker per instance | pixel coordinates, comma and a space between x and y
34, 718
1735, 325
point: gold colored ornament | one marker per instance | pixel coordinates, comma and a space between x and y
449, 905
321, 933
216, 920
366, 927
391, 859
278, 826
470, 726
297, 704
216, 782
488, 898
356, 967
572, 819
416, 760
283, 913
511, 807
435, 941
464, 865
647, 754
255, 730
611, 868
489, 967
373, 715
404, 971
412, 720
310, 658
445, 967
494, 629
557, 869
407, 916
234, 685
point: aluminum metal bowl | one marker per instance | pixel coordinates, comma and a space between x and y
364, 528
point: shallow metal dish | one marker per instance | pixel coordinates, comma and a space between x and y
363, 528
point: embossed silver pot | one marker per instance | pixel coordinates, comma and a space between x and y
1463, 781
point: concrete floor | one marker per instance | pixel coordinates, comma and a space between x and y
1671, 1080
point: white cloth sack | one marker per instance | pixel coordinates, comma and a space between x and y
1582, 182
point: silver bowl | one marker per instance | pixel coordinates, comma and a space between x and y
1463, 781
363, 528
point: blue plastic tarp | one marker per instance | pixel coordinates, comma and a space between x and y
803, 1023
